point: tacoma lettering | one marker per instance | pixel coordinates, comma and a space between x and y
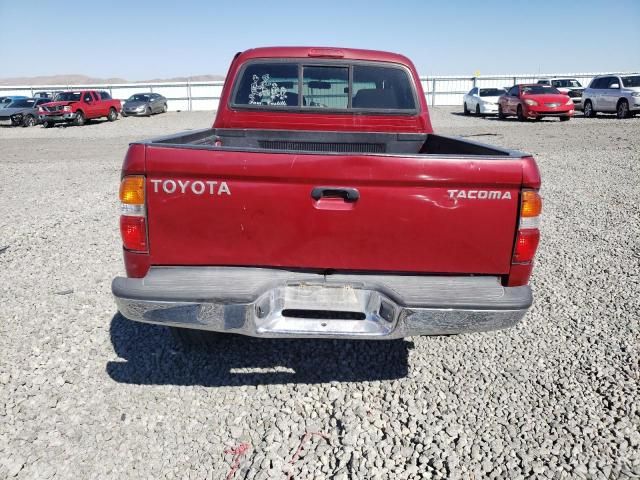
480, 194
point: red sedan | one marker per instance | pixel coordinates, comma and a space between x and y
535, 101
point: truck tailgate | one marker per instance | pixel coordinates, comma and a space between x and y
418, 213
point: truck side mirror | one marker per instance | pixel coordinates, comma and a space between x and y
614, 85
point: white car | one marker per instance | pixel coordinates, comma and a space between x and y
482, 101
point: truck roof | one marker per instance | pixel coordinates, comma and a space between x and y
324, 52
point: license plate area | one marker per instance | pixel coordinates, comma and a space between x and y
323, 300
324, 310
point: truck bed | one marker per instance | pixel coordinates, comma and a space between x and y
331, 142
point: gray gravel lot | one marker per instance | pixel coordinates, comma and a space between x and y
85, 393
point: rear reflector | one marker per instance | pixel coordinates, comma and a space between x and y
529, 222
136, 210
134, 233
526, 245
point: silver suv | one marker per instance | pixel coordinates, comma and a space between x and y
612, 93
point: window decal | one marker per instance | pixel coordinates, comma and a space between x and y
266, 92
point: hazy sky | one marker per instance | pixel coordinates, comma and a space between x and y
139, 40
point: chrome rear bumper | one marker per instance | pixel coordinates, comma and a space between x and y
281, 303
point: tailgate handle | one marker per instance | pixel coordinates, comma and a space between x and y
346, 193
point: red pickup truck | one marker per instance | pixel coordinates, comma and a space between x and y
321, 204
79, 106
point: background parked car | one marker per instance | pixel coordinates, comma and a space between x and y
79, 106
613, 93
144, 104
535, 101
570, 86
4, 101
22, 112
482, 101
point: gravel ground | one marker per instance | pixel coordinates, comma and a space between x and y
85, 393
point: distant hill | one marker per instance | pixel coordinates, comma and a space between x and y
75, 79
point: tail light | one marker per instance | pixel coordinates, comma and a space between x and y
526, 245
527, 239
133, 214
134, 233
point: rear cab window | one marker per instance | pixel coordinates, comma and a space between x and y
382, 88
325, 87
338, 86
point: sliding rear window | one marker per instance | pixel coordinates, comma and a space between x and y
325, 87
382, 88
338, 87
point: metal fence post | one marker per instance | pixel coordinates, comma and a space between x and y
474, 81
189, 93
433, 92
